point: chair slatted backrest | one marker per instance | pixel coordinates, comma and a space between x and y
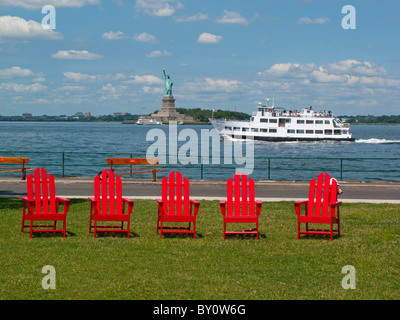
322, 192
240, 196
41, 189
108, 192
175, 194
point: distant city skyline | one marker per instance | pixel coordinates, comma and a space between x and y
108, 56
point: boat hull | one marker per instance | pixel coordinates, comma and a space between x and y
283, 139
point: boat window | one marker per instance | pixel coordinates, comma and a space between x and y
236, 128
319, 121
263, 120
252, 119
288, 120
272, 130
273, 121
263, 130
337, 132
300, 121
319, 131
300, 131
310, 121
254, 129
329, 132
228, 128
327, 122
310, 131
245, 129
291, 131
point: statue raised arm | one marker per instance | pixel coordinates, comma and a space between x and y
168, 85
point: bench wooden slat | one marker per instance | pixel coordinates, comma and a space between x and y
21, 160
132, 162
14, 160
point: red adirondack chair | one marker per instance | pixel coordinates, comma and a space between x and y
41, 204
321, 207
241, 206
176, 206
108, 205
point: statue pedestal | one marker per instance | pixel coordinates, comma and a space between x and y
168, 112
168, 105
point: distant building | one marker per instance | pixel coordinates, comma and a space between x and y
27, 115
88, 114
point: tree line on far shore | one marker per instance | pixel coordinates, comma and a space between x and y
373, 119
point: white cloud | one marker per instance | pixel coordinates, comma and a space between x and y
356, 67
341, 85
232, 17
19, 29
221, 85
37, 4
17, 87
349, 71
145, 37
307, 20
145, 79
158, 53
213, 85
15, 72
194, 18
113, 35
83, 77
158, 8
208, 38
289, 70
72, 88
75, 55
76, 76
147, 89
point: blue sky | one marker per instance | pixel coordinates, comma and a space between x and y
108, 56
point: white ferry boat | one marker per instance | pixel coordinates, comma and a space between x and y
279, 124
142, 121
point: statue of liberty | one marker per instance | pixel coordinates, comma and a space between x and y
168, 85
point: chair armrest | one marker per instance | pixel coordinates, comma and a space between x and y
222, 205
160, 206
298, 204
27, 200
65, 202
196, 206
130, 204
93, 205
258, 207
334, 204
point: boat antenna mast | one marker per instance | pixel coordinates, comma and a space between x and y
273, 99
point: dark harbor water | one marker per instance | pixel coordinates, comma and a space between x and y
84, 147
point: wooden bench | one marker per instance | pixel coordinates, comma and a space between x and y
22, 161
134, 162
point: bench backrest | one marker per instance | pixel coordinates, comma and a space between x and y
240, 196
108, 192
41, 189
14, 160
175, 194
132, 161
323, 190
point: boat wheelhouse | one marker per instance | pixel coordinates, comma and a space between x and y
269, 123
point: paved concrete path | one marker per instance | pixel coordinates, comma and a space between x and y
385, 192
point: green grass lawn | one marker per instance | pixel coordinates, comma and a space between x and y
278, 266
